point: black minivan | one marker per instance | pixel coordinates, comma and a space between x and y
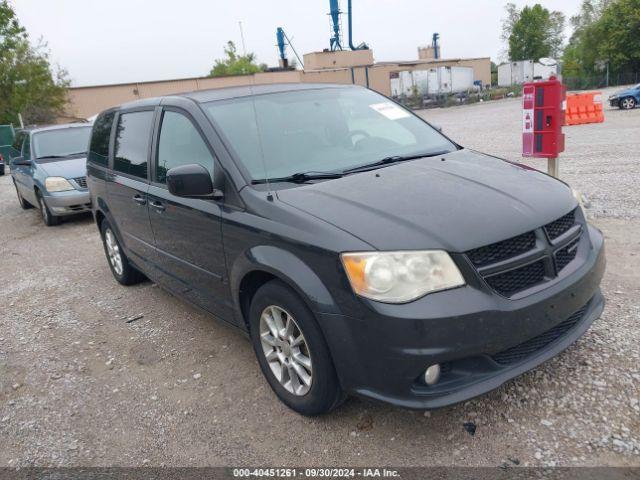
361, 250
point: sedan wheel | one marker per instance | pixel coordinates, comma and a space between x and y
286, 350
48, 219
628, 103
113, 251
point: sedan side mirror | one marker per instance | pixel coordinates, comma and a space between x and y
191, 181
21, 162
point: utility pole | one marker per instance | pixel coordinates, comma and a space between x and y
244, 48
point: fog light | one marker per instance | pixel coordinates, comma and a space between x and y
432, 374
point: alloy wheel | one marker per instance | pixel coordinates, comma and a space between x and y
286, 350
113, 251
628, 103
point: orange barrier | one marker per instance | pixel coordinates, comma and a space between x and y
584, 108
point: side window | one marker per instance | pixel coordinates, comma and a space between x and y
99, 144
180, 144
17, 142
26, 147
132, 143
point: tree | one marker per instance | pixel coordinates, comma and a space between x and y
236, 64
605, 32
533, 32
28, 83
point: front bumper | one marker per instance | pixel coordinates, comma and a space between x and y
384, 354
614, 102
68, 203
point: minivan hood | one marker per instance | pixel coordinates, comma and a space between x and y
72, 168
456, 202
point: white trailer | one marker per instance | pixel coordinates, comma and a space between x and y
517, 73
434, 81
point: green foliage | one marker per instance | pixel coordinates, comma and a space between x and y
27, 83
236, 64
533, 32
605, 32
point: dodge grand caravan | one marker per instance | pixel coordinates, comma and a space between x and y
361, 250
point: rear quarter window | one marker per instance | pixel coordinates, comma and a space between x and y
131, 147
99, 143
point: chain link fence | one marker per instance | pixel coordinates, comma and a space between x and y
602, 80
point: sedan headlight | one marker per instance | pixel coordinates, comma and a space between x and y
57, 184
399, 277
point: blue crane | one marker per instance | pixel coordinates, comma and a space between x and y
436, 47
283, 41
335, 42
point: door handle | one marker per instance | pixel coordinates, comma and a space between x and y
139, 199
158, 206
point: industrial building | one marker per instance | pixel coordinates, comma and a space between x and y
355, 65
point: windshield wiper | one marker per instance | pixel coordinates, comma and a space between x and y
392, 159
300, 177
62, 156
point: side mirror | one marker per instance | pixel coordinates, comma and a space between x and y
191, 181
21, 162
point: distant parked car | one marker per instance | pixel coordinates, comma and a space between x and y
626, 99
6, 139
50, 170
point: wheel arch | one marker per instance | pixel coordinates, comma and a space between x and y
262, 264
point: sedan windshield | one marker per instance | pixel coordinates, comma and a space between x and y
325, 130
51, 145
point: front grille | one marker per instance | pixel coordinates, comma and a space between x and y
560, 226
81, 181
522, 351
565, 256
503, 250
519, 279
530, 259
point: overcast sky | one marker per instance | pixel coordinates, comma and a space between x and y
115, 41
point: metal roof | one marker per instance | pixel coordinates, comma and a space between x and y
203, 96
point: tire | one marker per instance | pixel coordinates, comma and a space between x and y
23, 203
627, 103
49, 219
122, 270
321, 392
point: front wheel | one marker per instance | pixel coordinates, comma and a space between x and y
292, 352
49, 219
628, 103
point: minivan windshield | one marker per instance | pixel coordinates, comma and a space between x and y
52, 145
321, 130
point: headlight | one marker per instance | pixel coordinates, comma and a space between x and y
57, 184
399, 277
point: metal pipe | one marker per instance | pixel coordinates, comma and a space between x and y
294, 50
349, 17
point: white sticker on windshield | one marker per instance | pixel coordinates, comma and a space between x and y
389, 110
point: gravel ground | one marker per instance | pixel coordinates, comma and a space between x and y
81, 386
